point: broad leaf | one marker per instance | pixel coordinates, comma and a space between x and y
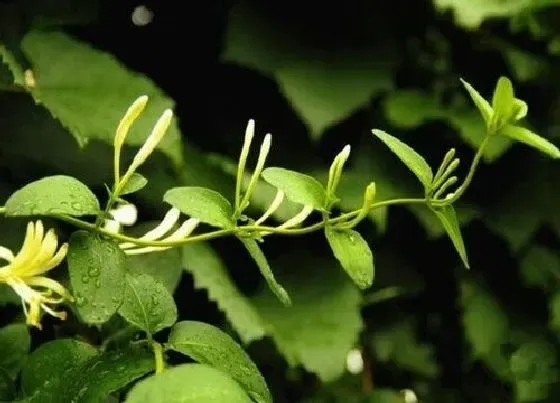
526, 136
97, 269
482, 104
147, 304
207, 344
448, 219
188, 383
164, 266
53, 360
15, 342
95, 379
210, 273
53, 195
414, 161
353, 254
134, 184
206, 205
260, 259
298, 187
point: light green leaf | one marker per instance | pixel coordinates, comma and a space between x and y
414, 161
15, 342
482, 104
502, 102
89, 91
134, 184
298, 187
448, 219
526, 136
210, 273
208, 206
188, 383
472, 13
207, 344
9, 61
52, 360
147, 304
324, 94
95, 379
353, 254
260, 259
324, 322
410, 108
485, 323
53, 195
540, 267
97, 269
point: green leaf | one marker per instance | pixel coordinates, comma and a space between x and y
410, 108
385, 396
97, 269
353, 254
472, 13
188, 383
554, 307
9, 61
7, 387
14, 345
298, 187
485, 323
147, 304
89, 91
414, 161
134, 184
95, 379
482, 104
448, 219
206, 205
53, 360
526, 136
325, 93
210, 273
540, 267
324, 322
262, 263
207, 344
164, 266
502, 102
53, 195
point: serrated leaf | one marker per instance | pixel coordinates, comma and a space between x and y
53, 195
15, 342
262, 263
97, 269
95, 379
353, 254
52, 360
448, 219
206, 205
540, 267
324, 322
89, 90
485, 323
147, 304
298, 187
209, 345
414, 161
482, 104
210, 273
526, 136
134, 184
188, 383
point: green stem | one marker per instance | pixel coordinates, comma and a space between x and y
158, 357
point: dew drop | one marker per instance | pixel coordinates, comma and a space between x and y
85, 278
98, 283
77, 206
93, 271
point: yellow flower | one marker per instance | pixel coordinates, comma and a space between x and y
24, 273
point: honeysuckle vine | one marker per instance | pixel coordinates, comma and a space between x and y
66, 199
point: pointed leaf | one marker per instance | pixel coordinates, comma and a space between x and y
15, 342
353, 254
526, 136
298, 187
147, 304
260, 259
97, 269
503, 102
208, 206
207, 344
134, 184
482, 104
414, 161
448, 219
53, 195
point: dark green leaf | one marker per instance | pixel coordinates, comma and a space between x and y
97, 269
164, 266
7, 387
14, 347
448, 219
207, 344
298, 187
134, 184
147, 304
540, 267
188, 383
53, 195
206, 205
